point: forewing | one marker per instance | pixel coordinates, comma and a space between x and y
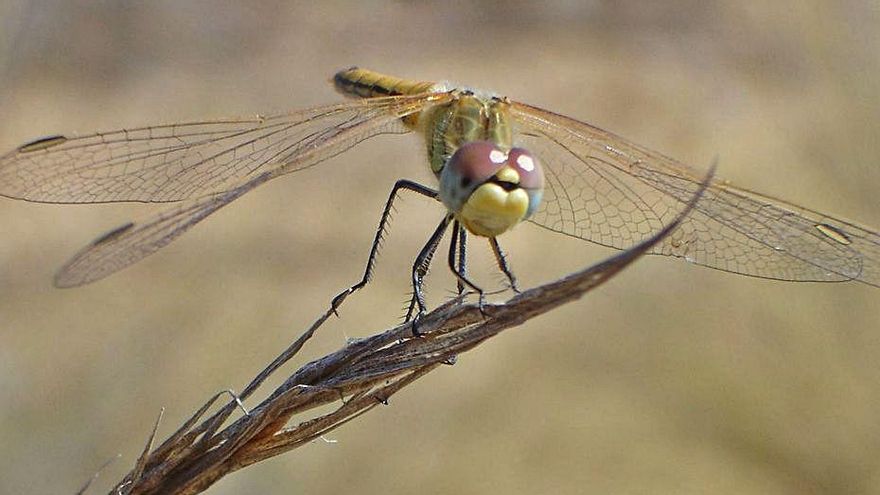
175, 162
605, 189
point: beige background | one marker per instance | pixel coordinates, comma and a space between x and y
670, 379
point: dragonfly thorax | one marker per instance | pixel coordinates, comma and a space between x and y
467, 117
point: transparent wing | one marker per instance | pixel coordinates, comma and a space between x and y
132, 242
210, 165
180, 161
605, 189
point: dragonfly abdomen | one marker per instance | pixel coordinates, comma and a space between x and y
365, 83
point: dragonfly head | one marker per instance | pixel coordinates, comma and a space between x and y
490, 190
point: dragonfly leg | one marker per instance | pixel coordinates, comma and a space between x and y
501, 259
460, 270
459, 237
420, 269
458, 244
399, 186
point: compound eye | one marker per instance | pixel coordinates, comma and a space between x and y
475, 162
531, 175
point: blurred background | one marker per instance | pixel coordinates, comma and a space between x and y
669, 379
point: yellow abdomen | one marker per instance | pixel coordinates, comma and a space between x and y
365, 83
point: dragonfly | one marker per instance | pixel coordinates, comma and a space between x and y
498, 162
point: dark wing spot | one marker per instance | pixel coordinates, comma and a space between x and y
109, 236
42, 143
834, 233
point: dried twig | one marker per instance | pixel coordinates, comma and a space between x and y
363, 374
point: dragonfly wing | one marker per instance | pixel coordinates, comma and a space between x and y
133, 241
605, 189
175, 162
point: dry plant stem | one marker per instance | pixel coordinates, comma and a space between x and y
361, 375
